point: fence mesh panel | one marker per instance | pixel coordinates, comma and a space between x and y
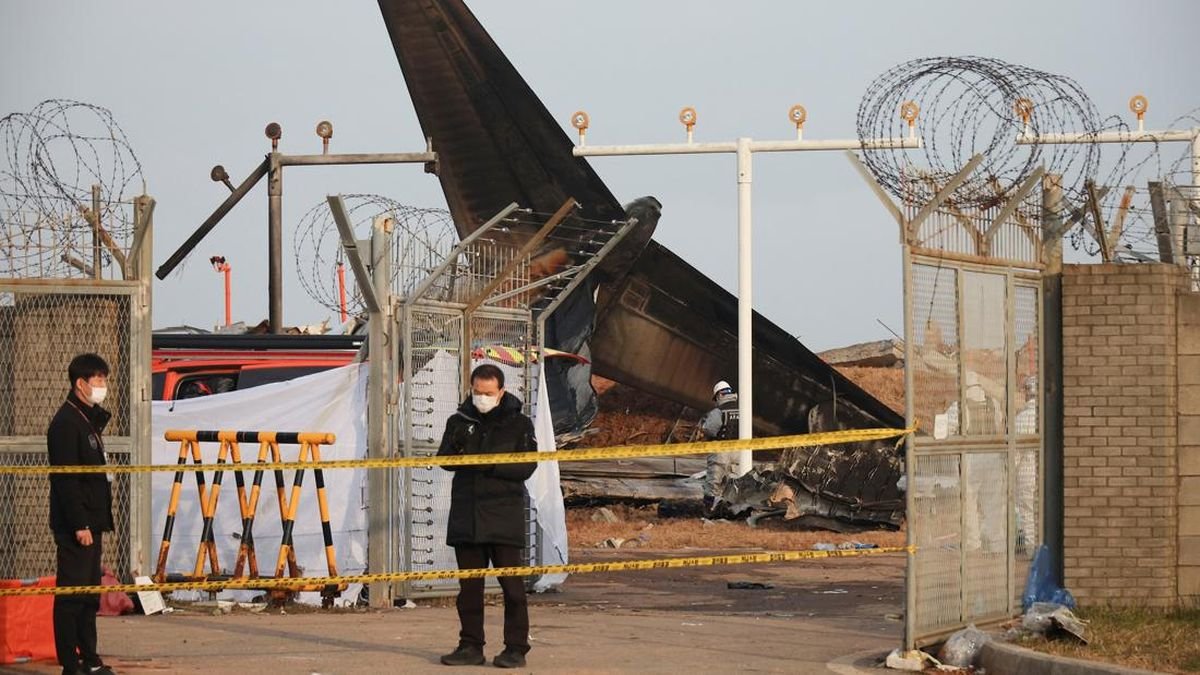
42, 327
936, 522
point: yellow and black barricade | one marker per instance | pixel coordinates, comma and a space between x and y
229, 456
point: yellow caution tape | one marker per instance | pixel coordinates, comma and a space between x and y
246, 583
586, 454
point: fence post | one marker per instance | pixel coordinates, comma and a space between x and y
381, 510
140, 515
1052, 380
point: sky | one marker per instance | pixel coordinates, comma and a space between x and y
193, 85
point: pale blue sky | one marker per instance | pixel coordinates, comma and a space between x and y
193, 84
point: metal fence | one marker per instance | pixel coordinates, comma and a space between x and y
973, 304
42, 327
45, 321
442, 334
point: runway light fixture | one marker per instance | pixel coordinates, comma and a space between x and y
688, 118
581, 121
325, 131
797, 115
274, 132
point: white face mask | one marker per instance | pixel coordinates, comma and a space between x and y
485, 404
98, 395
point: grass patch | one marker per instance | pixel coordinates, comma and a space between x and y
1154, 639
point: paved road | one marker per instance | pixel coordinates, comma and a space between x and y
663, 621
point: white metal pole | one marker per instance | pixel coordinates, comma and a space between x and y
1196, 163
745, 458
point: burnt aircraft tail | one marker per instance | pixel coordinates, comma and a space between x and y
660, 325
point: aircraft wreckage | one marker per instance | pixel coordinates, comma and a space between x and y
647, 319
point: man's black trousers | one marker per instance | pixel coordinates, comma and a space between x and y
75, 615
470, 596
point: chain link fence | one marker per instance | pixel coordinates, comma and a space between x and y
42, 327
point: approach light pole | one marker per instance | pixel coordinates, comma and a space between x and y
744, 148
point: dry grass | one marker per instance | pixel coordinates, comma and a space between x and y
682, 533
1167, 641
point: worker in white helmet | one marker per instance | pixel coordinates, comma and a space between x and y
721, 423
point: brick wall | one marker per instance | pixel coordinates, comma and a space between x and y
1188, 341
1121, 373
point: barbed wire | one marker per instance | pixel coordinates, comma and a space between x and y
52, 156
968, 106
422, 238
975, 105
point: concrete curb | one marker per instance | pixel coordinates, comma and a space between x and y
1004, 659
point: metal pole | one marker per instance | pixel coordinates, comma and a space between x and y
360, 158
1052, 375
745, 460
1193, 247
227, 269
341, 279
216, 216
96, 230
380, 509
140, 513
911, 533
275, 241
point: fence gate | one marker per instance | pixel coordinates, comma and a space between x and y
973, 337
53, 306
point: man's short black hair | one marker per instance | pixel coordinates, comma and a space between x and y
87, 366
488, 372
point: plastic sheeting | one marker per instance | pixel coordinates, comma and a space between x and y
333, 401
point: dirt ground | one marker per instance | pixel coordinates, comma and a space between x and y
640, 527
661, 621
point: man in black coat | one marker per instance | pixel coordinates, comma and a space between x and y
80, 512
487, 513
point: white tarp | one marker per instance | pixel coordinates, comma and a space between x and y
333, 401
545, 491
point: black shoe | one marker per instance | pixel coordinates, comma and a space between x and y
509, 659
98, 670
465, 655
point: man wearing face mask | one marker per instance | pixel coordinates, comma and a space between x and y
80, 512
487, 513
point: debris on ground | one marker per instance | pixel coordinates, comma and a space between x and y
845, 488
962, 649
1041, 584
605, 515
913, 660
1049, 619
749, 586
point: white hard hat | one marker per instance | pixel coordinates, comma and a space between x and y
720, 387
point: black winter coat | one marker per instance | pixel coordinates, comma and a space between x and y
487, 502
78, 500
